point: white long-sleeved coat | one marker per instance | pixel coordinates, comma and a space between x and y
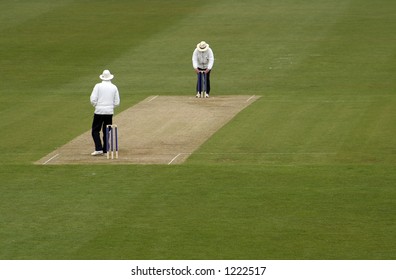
203, 60
105, 97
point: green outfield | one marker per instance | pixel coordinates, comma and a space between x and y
308, 171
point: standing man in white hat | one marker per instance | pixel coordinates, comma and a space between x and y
104, 98
202, 60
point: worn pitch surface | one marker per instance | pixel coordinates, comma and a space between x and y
158, 130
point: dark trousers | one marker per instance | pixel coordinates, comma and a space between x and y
99, 123
207, 80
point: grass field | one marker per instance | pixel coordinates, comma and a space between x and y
306, 172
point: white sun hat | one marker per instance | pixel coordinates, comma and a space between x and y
202, 46
106, 76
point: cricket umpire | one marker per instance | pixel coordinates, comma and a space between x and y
202, 60
104, 98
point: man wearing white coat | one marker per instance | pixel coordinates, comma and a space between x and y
203, 60
104, 98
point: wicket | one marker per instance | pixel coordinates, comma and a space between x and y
202, 83
111, 140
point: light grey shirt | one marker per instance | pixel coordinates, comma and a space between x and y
105, 97
203, 60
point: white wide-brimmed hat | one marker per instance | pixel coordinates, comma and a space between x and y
202, 46
106, 76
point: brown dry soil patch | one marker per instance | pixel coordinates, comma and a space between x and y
158, 130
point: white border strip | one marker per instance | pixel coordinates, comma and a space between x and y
212, 269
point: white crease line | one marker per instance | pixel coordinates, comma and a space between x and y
250, 98
174, 159
51, 159
153, 98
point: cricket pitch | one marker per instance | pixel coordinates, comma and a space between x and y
158, 130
